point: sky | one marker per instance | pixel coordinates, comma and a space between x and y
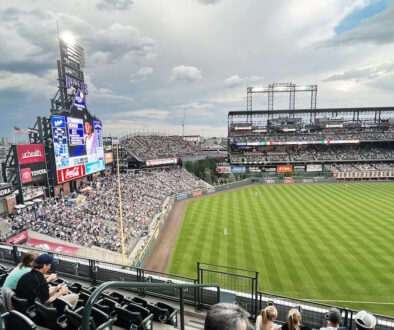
149, 63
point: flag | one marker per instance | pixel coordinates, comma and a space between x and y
19, 130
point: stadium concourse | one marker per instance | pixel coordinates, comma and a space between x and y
91, 217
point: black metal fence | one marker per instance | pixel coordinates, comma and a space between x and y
236, 285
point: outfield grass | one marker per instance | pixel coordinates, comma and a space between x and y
312, 241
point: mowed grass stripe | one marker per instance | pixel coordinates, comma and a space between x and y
323, 241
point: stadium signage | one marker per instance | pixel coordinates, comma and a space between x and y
77, 84
223, 169
280, 143
299, 168
210, 190
197, 193
18, 238
270, 169
254, 169
30, 153
314, 168
288, 181
238, 128
238, 169
33, 173
5, 192
164, 161
192, 138
70, 173
180, 197
269, 181
108, 157
284, 168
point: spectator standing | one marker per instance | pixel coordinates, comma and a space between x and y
365, 321
334, 320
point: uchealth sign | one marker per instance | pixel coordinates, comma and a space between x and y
54, 247
30, 153
70, 173
18, 238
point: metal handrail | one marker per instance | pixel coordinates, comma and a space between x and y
117, 284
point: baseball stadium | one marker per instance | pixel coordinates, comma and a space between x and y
292, 209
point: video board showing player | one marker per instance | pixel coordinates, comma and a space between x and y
78, 146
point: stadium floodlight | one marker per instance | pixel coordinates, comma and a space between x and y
68, 38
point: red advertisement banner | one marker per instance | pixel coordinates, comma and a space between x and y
197, 193
18, 238
25, 175
288, 181
54, 247
70, 173
30, 153
284, 168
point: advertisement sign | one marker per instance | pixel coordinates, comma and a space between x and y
54, 247
197, 193
270, 169
107, 143
335, 174
164, 161
300, 168
284, 168
238, 169
210, 190
25, 175
5, 191
33, 173
180, 197
94, 167
314, 168
30, 153
288, 180
223, 169
18, 238
108, 157
307, 180
269, 181
254, 169
192, 138
70, 173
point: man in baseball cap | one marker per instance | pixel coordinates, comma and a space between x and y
334, 319
34, 284
365, 321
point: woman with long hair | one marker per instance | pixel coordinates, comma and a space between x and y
293, 320
13, 277
265, 321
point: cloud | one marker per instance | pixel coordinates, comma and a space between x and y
141, 74
185, 73
233, 81
28, 82
208, 2
110, 5
368, 73
376, 30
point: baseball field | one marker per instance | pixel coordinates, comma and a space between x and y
327, 242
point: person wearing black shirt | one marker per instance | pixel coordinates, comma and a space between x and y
34, 284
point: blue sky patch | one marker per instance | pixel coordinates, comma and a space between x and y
355, 18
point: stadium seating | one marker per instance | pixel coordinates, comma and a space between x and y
15, 320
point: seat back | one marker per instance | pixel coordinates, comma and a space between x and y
137, 308
16, 320
47, 316
126, 318
20, 304
173, 316
139, 301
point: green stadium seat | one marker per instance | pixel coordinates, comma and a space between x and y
15, 320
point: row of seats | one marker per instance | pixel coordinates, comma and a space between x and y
109, 309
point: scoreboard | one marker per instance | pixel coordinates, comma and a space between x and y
71, 140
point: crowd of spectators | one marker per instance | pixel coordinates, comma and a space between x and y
344, 167
156, 146
313, 153
295, 136
91, 217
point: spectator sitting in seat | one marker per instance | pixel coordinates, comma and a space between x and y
365, 321
265, 321
13, 277
224, 316
293, 321
334, 319
34, 284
